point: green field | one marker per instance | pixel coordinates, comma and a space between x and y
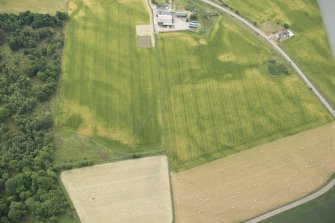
309, 48
320, 210
217, 94
41, 6
107, 105
220, 99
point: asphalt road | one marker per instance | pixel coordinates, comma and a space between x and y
280, 50
309, 85
294, 204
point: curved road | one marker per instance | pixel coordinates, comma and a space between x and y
294, 204
309, 85
282, 52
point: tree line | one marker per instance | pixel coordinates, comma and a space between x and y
29, 73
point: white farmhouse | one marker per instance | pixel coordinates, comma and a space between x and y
164, 20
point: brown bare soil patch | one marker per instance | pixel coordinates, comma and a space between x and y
248, 183
145, 36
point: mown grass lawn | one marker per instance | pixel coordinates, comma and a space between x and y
321, 209
41, 6
220, 99
109, 89
309, 48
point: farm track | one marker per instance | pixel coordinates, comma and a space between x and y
278, 49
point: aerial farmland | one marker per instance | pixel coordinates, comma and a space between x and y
165, 111
127, 191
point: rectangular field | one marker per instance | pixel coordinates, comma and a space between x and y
41, 6
220, 98
309, 48
246, 184
109, 89
126, 191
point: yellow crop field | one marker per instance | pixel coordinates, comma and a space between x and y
126, 191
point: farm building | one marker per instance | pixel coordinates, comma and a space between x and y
164, 20
281, 36
181, 14
163, 12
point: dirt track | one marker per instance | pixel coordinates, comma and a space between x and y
241, 186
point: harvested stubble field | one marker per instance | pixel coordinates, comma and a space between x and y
126, 191
309, 47
109, 89
245, 184
41, 6
220, 99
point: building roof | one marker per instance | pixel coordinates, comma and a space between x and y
164, 18
163, 12
181, 13
167, 24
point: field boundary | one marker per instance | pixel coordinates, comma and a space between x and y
330, 183
67, 196
141, 185
329, 100
282, 172
280, 50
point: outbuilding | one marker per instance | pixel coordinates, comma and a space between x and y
164, 20
181, 14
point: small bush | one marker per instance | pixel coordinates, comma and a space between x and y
136, 156
286, 26
276, 69
194, 16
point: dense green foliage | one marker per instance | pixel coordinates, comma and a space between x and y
320, 210
276, 69
29, 71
